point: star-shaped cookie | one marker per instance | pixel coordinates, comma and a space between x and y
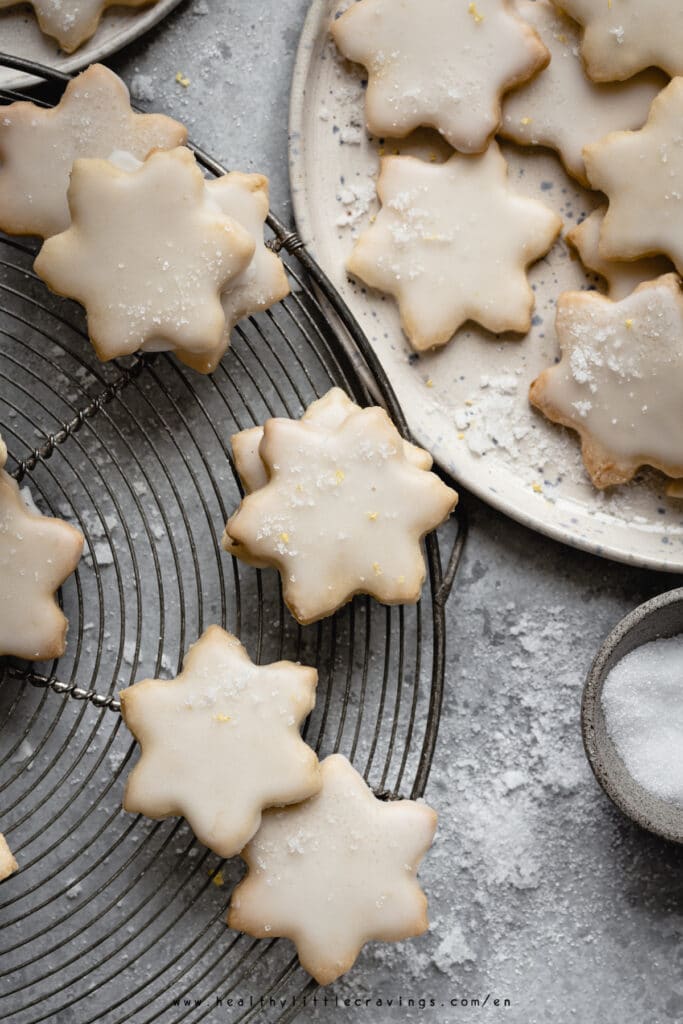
641, 174
221, 742
38, 147
620, 380
452, 243
622, 37
8, 864
72, 22
343, 513
439, 63
336, 872
148, 255
622, 277
244, 198
561, 108
37, 554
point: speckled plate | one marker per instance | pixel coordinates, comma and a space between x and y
21, 37
467, 403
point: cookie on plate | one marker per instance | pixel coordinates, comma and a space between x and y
38, 147
439, 63
561, 108
37, 555
620, 380
221, 742
8, 864
343, 512
148, 255
452, 243
640, 172
622, 37
72, 22
336, 872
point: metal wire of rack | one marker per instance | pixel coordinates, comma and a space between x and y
114, 918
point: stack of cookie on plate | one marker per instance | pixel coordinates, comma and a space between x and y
337, 501
452, 240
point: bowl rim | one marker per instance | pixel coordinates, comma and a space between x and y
592, 691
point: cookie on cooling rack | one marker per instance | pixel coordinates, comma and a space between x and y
147, 254
452, 243
37, 554
39, 146
71, 23
336, 872
343, 509
8, 864
622, 37
620, 379
221, 742
640, 172
439, 64
561, 108
622, 277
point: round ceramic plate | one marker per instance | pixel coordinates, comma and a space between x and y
21, 37
466, 403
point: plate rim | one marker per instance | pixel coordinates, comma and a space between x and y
319, 14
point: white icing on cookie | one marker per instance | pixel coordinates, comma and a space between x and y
72, 22
622, 277
147, 255
642, 176
8, 864
343, 513
561, 108
221, 741
336, 872
38, 147
439, 63
37, 554
623, 37
452, 243
620, 380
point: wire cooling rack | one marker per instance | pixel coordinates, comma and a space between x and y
116, 918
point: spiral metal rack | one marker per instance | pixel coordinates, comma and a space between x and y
114, 918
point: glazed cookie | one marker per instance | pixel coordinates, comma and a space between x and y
561, 108
439, 63
621, 277
622, 37
620, 379
37, 554
452, 243
221, 741
8, 864
343, 512
640, 173
38, 147
336, 872
72, 22
148, 255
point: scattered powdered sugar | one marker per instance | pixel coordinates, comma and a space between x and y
643, 704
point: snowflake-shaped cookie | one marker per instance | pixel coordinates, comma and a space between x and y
561, 108
641, 174
452, 243
72, 22
221, 741
148, 255
336, 872
620, 380
622, 277
343, 512
8, 864
37, 554
622, 37
439, 63
38, 147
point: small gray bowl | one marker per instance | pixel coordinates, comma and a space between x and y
660, 617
